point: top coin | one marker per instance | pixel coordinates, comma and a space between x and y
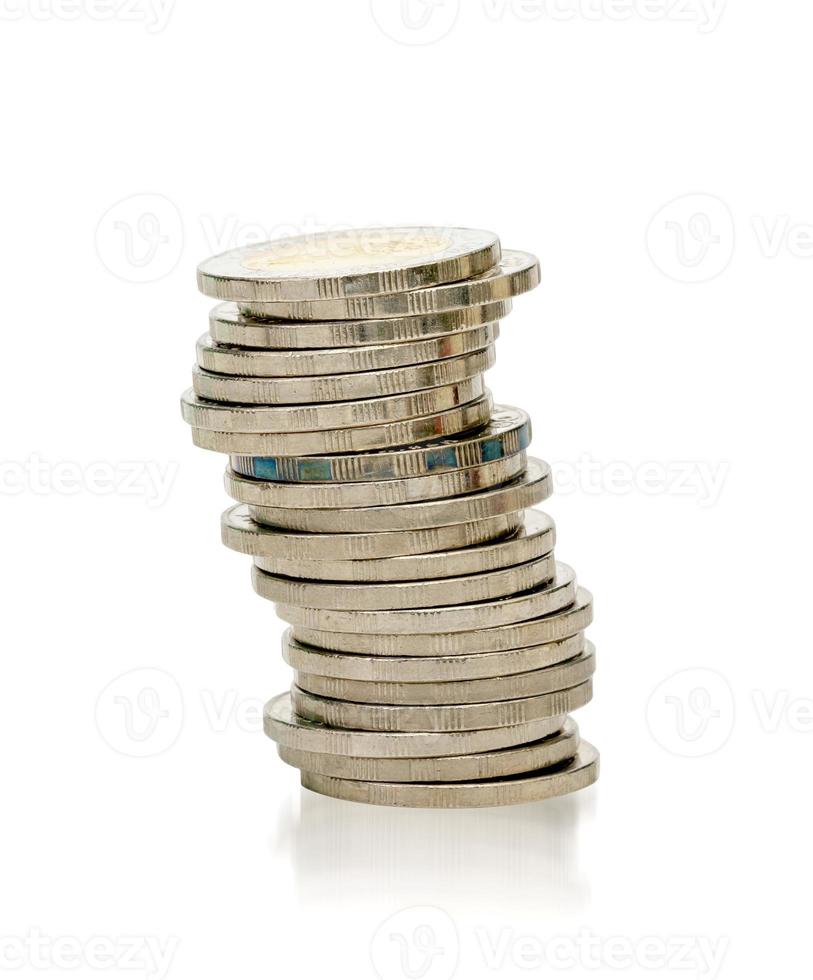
340, 264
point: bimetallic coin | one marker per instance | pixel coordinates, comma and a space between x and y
549, 598
517, 273
508, 432
535, 537
578, 774
238, 361
285, 728
228, 326
532, 487
417, 670
299, 496
341, 387
242, 534
546, 680
513, 636
225, 417
361, 439
552, 751
438, 717
406, 595
353, 262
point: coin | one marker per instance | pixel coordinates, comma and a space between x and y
524, 491
513, 636
548, 598
245, 362
406, 595
265, 493
508, 432
535, 536
353, 262
578, 774
438, 717
225, 417
227, 325
558, 677
361, 439
341, 387
411, 670
287, 729
242, 534
547, 752
517, 273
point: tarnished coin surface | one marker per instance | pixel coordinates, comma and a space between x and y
386, 493
547, 752
517, 273
534, 537
243, 362
508, 432
341, 387
417, 670
226, 417
532, 487
406, 595
437, 717
286, 728
346, 263
242, 534
361, 439
227, 325
513, 636
546, 680
549, 598
575, 775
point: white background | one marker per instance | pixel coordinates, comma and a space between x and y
657, 156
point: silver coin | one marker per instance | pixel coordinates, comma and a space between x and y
289, 730
532, 487
406, 595
552, 751
534, 537
387, 493
225, 417
245, 362
508, 432
438, 717
546, 680
513, 636
418, 670
578, 774
352, 262
341, 387
227, 325
242, 534
361, 439
549, 598
517, 273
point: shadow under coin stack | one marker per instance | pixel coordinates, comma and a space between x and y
437, 646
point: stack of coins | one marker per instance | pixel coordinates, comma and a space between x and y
437, 646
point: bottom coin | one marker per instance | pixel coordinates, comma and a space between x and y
577, 774
547, 752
